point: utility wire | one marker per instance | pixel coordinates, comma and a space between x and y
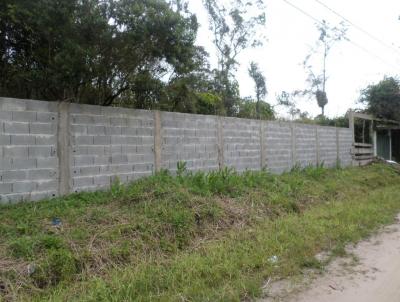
346, 39
358, 27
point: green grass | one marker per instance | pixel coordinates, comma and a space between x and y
193, 237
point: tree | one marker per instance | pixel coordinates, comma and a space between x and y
328, 36
95, 51
250, 109
234, 29
383, 99
260, 85
288, 101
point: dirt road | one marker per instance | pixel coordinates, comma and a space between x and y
375, 278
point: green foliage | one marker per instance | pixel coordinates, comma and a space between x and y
340, 121
288, 101
383, 99
139, 54
260, 86
255, 110
94, 51
209, 103
234, 28
197, 235
60, 265
322, 99
237, 265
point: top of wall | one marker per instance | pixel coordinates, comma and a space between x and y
14, 104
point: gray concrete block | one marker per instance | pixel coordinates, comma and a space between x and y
118, 121
81, 119
102, 140
144, 131
5, 116
43, 128
36, 196
5, 164
95, 150
135, 123
136, 140
10, 104
89, 171
119, 159
22, 139
50, 140
79, 129
42, 174
5, 140
5, 188
49, 162
15, 151
102, 160
84, 160
102, 180
85, 109
123, 168
41, 106
24, 116
16, 128
82, 181
23, 187
82, 140
113, 130
96, 130
41, 151
118, 140
23, 163
46, 117
13, 175
101, 120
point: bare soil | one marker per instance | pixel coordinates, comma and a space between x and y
370, 274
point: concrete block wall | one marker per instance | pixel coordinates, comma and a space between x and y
241, 143
345, 145
278, 144
28, 150
189, 138
50, 149
108, 143
327, 137
305, 145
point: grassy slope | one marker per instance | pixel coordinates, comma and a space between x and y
191, 238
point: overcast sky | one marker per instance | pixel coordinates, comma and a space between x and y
290, 34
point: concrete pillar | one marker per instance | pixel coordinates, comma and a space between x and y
263, 156
351, 125
63, 149
220, 142
390, 144
337, 147
317, 151
293, 145
157, 141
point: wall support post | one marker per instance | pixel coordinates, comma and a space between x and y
63, 149
263, 156
293, 144
220, 143
157, 141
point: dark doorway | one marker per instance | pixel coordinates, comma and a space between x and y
396, 145
383, 144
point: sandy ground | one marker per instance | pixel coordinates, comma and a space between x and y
373, 277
